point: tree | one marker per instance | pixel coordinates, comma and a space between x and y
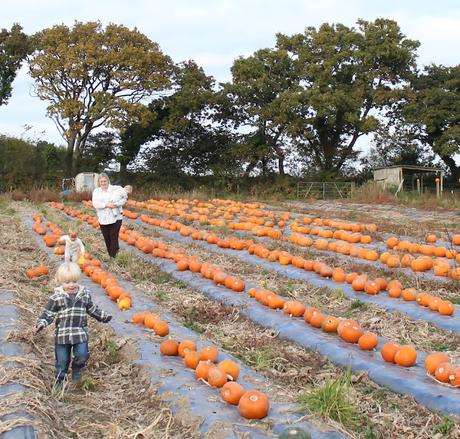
258, 99
93, 76
434, 110
98, 152
345, 77
14, 47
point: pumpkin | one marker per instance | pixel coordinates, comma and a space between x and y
139, 317
275, 302
371, 287
330, 324
368, 341
433, 360
232, 392
294, 308
359, 282
309, 314
161, 328
186, 346
230, 368
454, 377
446, 308
443, 372
237, 285
219, 277
124, 303
388, 351
202, 370
406, 356
317, 320
150, 319
216, 377
338, 275
254, 405
409, 294
169, 347
191, 359
351, 333
294, 433
209, 353
58, 251
182, 264
194, 265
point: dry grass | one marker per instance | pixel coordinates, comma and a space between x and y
122, 404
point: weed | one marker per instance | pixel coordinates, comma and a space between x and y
439, 347
190, 321
358, 304
87, 384
180, 284
445, 426
113, 354
339, 294
122, 259
161, 295
331, 400
162, 278
260, 360
265, 273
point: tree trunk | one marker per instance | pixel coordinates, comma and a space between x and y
281, 165
123, 173
69, 159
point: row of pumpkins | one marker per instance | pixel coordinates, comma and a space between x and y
339, 241
358, 282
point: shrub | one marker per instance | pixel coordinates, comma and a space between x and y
17, 195
79, 196
42, 195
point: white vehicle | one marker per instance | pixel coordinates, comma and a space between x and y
83, 182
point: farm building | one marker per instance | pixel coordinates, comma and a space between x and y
409, 177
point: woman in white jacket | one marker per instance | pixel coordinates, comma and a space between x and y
109, 212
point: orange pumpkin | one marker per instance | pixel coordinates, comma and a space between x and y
186, 346
191, 359
169, 347
216, 377
433, 360
254, 405
406, 356
209, 353
368, 341
230, 368
443, 372
202, 370
388, 351
232, 392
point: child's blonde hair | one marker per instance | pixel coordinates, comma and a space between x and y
68, 272
72, 233
128, 188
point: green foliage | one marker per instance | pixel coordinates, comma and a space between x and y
25, 164
445, 426
345, 75
93, 76
87, 384
112, 352
14, 47
331, 400
434, 110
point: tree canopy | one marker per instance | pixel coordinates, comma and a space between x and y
94, 76
15, 45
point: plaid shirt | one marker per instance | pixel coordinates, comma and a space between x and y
70, 312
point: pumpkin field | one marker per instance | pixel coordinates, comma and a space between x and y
237, 319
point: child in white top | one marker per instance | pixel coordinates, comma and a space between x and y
73, 246
119, 197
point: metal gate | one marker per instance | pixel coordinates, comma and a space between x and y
324, 190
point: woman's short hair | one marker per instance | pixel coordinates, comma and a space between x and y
102, 175
68, 272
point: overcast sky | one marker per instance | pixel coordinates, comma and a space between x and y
215, 32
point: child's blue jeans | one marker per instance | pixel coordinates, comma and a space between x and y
63, 356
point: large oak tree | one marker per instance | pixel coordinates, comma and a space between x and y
94, 76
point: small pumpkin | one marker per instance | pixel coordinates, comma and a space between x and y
230, 368
254, 405
368, 341
216, 377
406, 356
209, 353
433, 360
202, 370
169, 347
388, 351
232, 392
186, 346
191, 359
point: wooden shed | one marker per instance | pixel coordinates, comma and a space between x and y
410, 178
